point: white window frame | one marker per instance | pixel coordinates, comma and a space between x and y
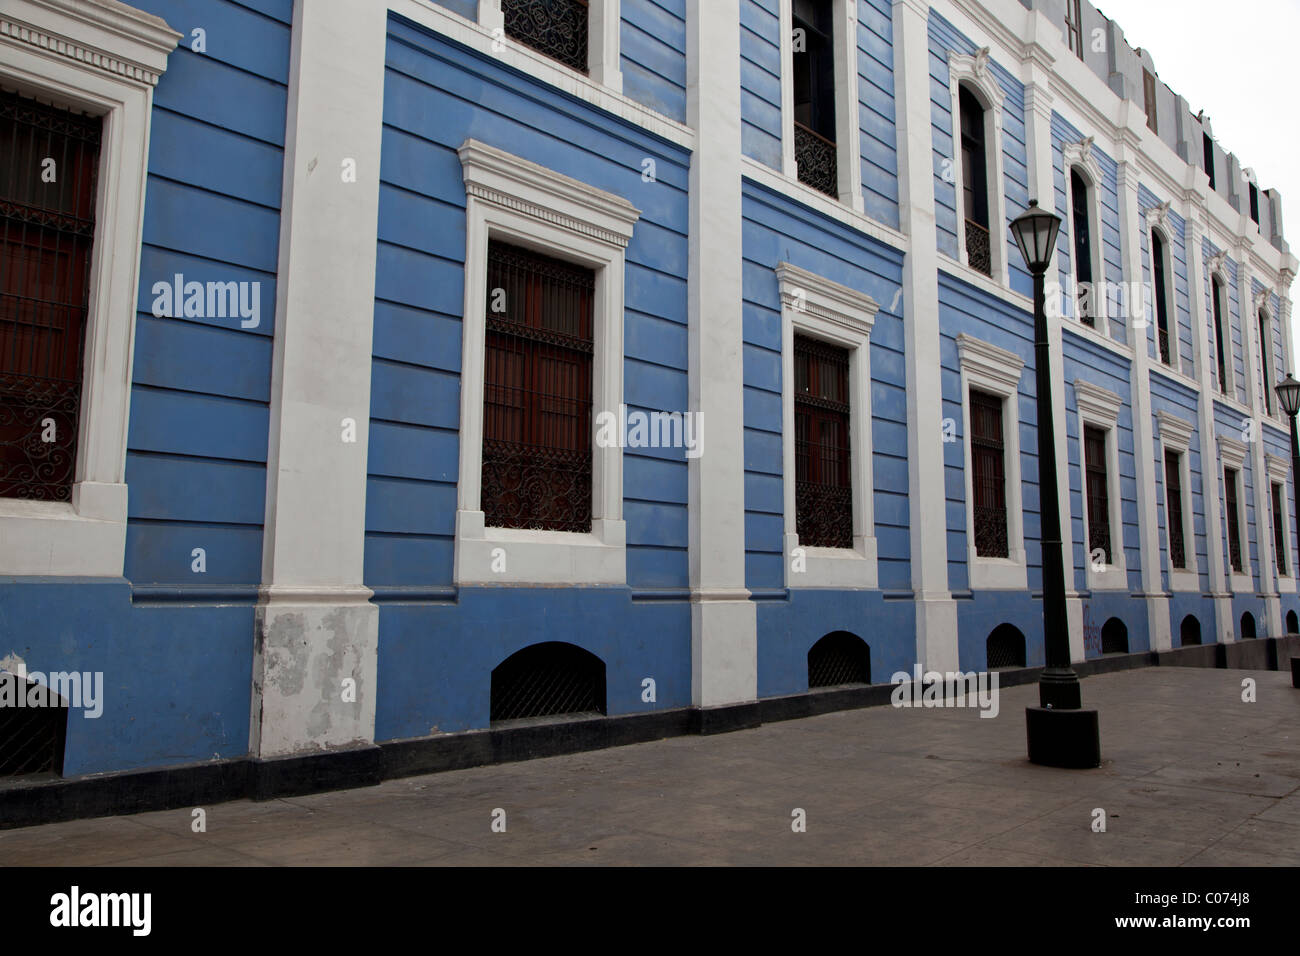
1227, 389
819, 308
604, 22
994, 370
1078, 156
1279, 473
1267, 358
520, 202
973, 71
1157, 222
1100, 408
848, 122
105, 59
1176, 436
1232, 454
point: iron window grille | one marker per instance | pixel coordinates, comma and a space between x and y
1005, 647
1174, 508
1074, 27
47, 229
1216, 296
1095, 466
815, 151
537, 394
1162, 302
1234, 520
988, 475
1082, 248
823, 479
556, 28
1279, 534
975, 190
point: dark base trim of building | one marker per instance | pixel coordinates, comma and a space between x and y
32, 802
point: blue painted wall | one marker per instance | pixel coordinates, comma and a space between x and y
760, 81
652, 53
876, 111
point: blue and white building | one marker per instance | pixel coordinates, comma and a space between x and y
678, 347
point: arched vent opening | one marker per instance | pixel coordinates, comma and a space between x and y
839, 658
1292, 623
1247, 625
1114, 637
33, 727
548, 679
1189, 632
1005, 647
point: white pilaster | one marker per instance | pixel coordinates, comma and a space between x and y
316, 628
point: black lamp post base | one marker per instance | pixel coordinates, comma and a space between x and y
1295, 672
1063, 738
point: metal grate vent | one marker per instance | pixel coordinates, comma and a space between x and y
548, 679
1247, 626
1114, 637
839, 658
1005, 647
31, 737
1292, 622
1189, 632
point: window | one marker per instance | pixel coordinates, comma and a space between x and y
823, 487
1149, 99
1079, 216
1254, 202
1230, 494
1265, 347
1074, 27
542, 349
1217, 300
814, 95
1096, 481
1207, 147
1159, 267
975, 189
988, 475
557, 28
1279, 534
46, 233
1174, 509
537, 423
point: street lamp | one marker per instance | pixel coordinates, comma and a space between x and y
1059, 731
1288, 396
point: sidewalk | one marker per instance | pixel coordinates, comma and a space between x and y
1190, 775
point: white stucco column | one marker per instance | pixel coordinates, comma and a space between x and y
724, 642
936, 613
316, 629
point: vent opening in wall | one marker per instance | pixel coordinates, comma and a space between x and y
1247, 626
839, 658
1189, 632
32, 737
1005, 647
1114, 637
548, 680
1292, 623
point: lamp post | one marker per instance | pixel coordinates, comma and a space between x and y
1060, 732
1288, 396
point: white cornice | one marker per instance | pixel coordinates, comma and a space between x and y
1278, 467
1080, 154
808, 292
1175, 432
1232, 452
973, 69
989, 362
497, 177
1097, 403
102, 34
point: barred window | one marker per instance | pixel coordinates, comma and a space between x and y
988, 475
823, 483
557, 28
47, 228
537, 392
975, 182
814, 95
1098, 488
1080, 221
1074, 27
1234, 519
1265, 347
1216, 297
1279, 534
1174, 508
1159, 266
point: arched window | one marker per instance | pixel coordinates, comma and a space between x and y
1218, 302
548, 679
975, 181
1190, 631
1082, 227
1247, 626
839, 658
1159, 272
1114, 637
1005, 647
1292, 622
1265, 352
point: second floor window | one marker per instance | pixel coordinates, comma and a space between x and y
557, 28
1174, 509
1216, 300
1082, 247
988, 475
1265, 369
537, 392
1159, 266
975, 182
1234, 518
823, 481
47, 230
1279, 532
1098, 490
814, 95
1074, 27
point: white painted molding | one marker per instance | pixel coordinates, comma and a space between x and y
1175, 432
973, 71
604, 59
817, 307
102, 58
517, 201
995, 370
1279, 468
1279, 472
1176, 435
1100, 407
1231, 451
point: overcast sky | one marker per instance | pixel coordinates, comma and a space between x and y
1236, 61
